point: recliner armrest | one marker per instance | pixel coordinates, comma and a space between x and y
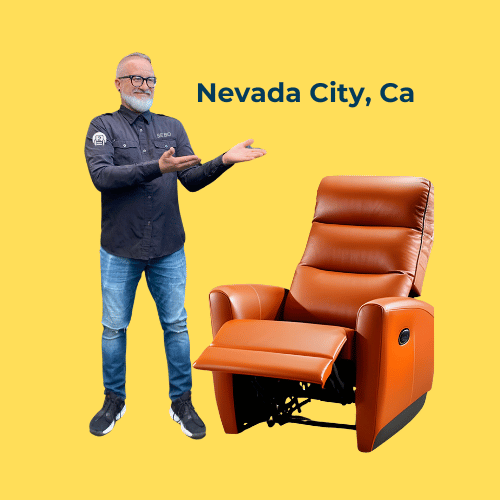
239, 302
394, 365
245, 302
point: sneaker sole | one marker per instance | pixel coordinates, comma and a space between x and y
110, 428
175, 418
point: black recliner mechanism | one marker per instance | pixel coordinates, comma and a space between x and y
275, 400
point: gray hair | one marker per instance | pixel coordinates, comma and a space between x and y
134, 54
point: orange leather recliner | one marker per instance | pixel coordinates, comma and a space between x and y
347, 322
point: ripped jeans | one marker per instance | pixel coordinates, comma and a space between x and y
166, 279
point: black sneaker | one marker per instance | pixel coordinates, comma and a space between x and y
112, 410
183, 413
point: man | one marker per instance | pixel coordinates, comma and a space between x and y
135, 158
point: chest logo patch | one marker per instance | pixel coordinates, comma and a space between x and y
99, 139
163, 134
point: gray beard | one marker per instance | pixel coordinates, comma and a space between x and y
139, 105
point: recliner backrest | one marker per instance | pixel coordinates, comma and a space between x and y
370, 238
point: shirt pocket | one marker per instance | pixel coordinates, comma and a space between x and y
126, 152
162, 145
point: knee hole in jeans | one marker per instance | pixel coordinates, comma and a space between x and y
174, 327
111, 333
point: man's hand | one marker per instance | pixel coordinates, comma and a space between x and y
170, 164
240, 152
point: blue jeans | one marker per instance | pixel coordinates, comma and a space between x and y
166, 279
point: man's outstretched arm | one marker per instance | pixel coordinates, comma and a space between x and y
199, 176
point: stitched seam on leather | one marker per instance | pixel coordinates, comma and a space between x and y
325, 356
410, 308
258, 298
378, 376
358, 225
423, 230
248, 371
400, 273
211, 315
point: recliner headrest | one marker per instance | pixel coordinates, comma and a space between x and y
373, 201
381, 201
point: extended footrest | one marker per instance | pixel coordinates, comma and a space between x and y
277, 349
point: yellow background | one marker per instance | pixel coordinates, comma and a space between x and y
250, 226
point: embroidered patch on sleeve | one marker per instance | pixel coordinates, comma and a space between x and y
99, 139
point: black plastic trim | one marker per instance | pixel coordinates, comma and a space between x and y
396, 424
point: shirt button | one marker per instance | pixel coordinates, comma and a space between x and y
149, 222
124, 145
149, 197
140, 130
143, 150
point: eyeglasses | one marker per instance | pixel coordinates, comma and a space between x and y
137, 80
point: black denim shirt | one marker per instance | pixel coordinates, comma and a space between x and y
140, 208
